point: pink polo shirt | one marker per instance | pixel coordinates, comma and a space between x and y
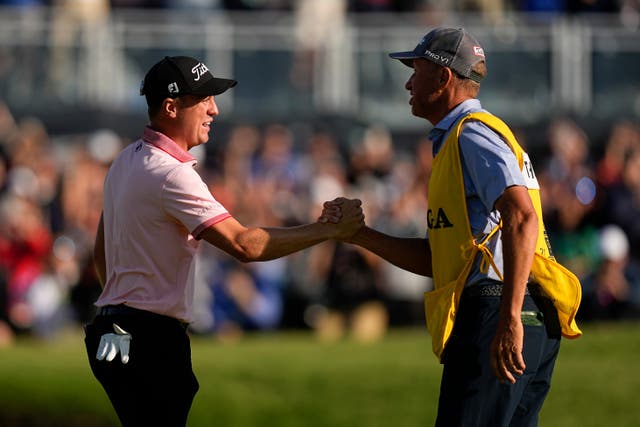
155, 207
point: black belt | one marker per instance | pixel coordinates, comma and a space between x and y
125, 310
115, 310
495, 290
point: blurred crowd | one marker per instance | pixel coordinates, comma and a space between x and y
571, 6
487, 7
276, 174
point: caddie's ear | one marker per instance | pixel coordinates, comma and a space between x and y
446, 76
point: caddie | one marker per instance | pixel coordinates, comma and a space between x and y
501, 301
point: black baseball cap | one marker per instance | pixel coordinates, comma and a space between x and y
450, 47
176, 76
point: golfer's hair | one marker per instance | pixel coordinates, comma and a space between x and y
154, 105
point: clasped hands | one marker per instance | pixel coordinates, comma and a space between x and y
345, 215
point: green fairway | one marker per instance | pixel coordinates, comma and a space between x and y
290, 379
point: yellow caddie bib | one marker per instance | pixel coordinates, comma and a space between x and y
453, 248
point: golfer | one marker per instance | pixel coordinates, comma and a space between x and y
156, 210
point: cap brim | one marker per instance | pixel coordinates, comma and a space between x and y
405, 57
215, 86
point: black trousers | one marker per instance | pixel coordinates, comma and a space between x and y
157, 386
470, 394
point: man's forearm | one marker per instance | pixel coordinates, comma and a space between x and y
519, 242
266, 243
411, 254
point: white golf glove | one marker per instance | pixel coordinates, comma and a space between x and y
111, 344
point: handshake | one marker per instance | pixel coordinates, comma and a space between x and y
345, 215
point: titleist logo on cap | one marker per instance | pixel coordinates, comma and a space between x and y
199, 70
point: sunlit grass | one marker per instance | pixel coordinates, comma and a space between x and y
291, 379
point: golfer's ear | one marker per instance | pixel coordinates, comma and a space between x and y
170, 107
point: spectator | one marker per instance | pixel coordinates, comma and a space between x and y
25, 244
591, 6
76, 19
324, 174
80, 202
247, 299
256, 5
492, 11
404, 291
7, 124
612, 291
541, 6
623, 140
25, 235
622, 202
22, 3
569, 197
319, 25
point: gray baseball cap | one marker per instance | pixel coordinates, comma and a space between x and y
450, 47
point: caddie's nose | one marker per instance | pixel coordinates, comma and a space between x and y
409, 84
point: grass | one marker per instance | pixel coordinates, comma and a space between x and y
290, 379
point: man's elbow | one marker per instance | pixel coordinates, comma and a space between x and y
247, 252
531, 221
245, 257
